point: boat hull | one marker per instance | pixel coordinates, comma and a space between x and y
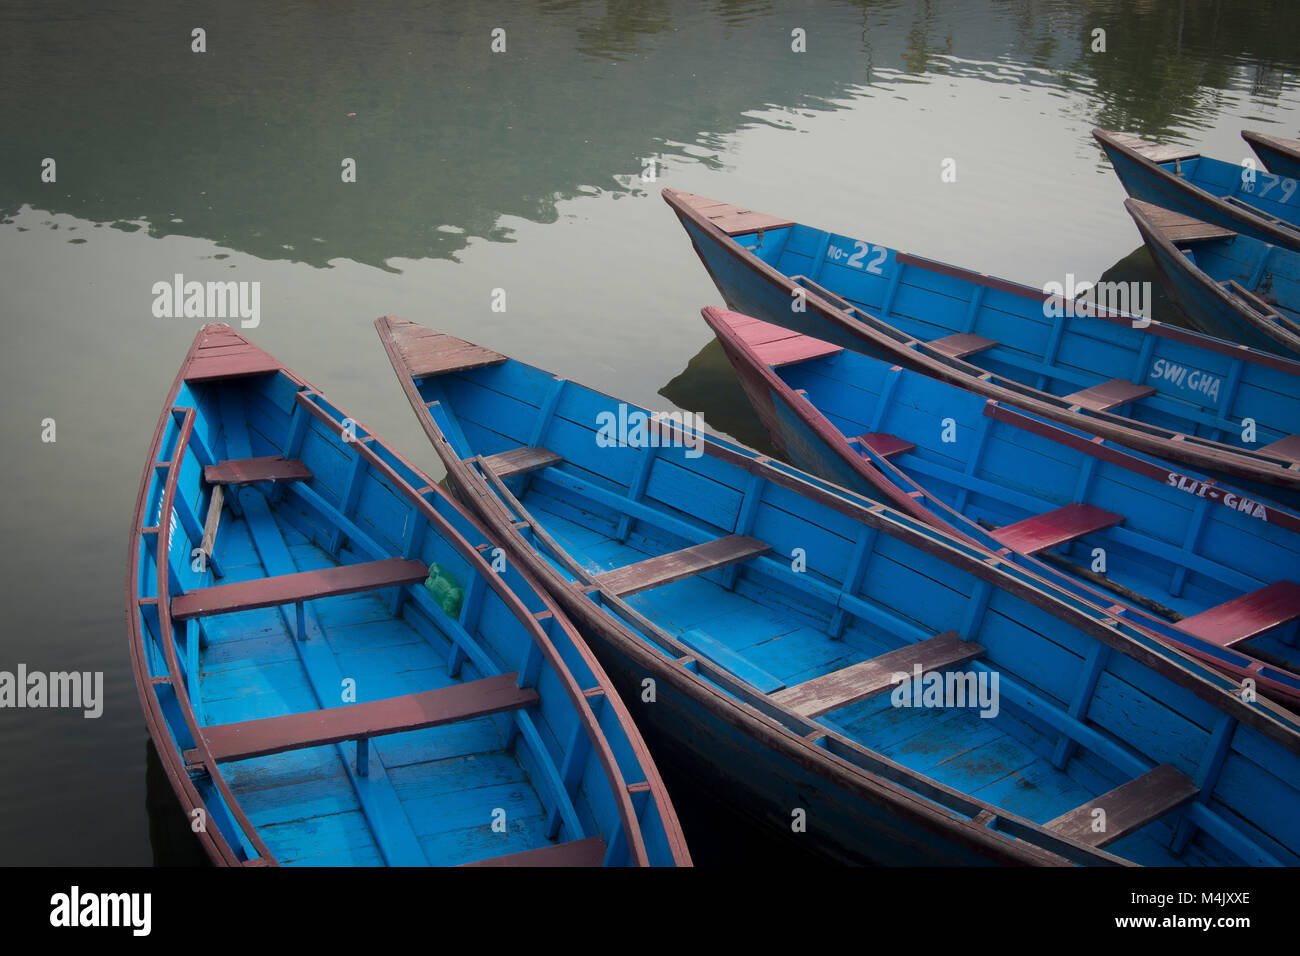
331, 671
752, 287
716, 651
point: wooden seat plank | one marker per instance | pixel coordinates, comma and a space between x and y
1055, 527
731, 219
774, 346
793, 348
667, 568
1247, 616
1156, 152
1127, 808
761, 333
961, 344
224, 353
1178, 227
885, 445
242, 471
1108, 395
394, 715
302, 586
1288, 448
516, 461
586, 852
737, 222
848, 685
429, 352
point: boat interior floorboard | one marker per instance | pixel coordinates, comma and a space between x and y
990, 758
449, 779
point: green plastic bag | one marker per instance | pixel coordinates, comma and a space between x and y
444, 590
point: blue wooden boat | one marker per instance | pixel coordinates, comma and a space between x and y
1194, 562
769, 629
1228, 284
1166, 391
332, 672
1278, 154
1266, 207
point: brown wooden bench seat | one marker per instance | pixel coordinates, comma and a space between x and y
1108, 395
774, 345
243, 471
587, 852
1156, 152
884, 445
1288, 448
302, 586
794, 348
395, 715
1055, 527
1179, 227
667, 568
848, 685
1250, 615
428, 352
732, 220
1127, 808
516, 461
961, 344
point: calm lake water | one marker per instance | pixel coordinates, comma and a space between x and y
476, 171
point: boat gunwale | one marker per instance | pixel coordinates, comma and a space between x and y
1160, 442
874, 471
1169, 663
214, 843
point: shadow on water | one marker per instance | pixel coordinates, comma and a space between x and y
709, 385
173, 842
1138, 266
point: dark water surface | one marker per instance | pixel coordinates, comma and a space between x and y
478, 171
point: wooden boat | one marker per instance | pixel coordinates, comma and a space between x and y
1194, 562
333, 674
1212, 190
1229, 285
756, 617
1279, 155
1165, 391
